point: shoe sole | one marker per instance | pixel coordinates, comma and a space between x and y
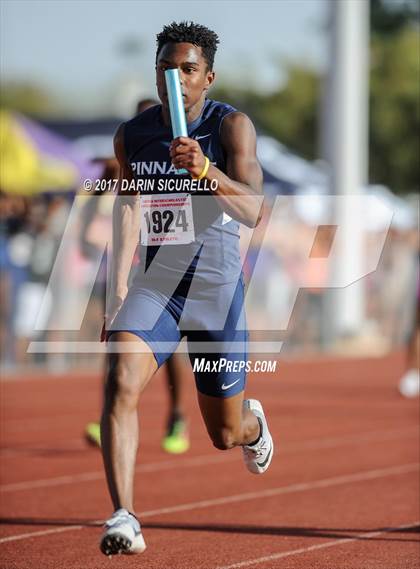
115, 544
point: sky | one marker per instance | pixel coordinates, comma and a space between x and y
73, 46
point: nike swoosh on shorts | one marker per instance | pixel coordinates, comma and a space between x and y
224, 387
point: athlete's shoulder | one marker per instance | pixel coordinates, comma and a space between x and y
218, 108
237, 132
229, 116
238, 119
140, 128
119, 142
146, 118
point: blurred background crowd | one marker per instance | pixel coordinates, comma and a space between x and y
49, 145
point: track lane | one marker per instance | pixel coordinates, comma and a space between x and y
310, 402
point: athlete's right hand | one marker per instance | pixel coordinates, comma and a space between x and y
113, 306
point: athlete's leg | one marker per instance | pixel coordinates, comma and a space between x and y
154, 330
128, 374
175, 367
227, 422
233, 421
409, 384
176, 439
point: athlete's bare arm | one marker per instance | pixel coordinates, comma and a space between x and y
125, 231
244, 174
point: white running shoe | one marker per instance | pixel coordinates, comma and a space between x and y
257, 457
122, 534
410, 383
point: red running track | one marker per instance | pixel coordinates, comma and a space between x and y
342, 491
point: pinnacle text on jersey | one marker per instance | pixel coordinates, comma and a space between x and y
154, 168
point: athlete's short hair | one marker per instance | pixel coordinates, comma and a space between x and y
190, 32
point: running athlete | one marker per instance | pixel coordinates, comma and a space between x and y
189, 279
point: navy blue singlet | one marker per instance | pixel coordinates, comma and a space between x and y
213, 254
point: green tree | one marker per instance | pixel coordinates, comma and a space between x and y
291, 114
394, 94
388, 17
395, 110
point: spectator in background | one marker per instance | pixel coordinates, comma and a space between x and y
30, 235
13, 212
409, 385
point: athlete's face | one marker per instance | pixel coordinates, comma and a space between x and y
193, 72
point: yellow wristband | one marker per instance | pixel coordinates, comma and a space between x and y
204, 170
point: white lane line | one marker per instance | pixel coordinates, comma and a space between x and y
39, 533
202, 460
283, 554
300, 487
80, 444
343, 440
292, 488
99, 474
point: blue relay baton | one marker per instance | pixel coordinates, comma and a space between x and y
176, 106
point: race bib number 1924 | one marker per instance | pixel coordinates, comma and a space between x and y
166, 220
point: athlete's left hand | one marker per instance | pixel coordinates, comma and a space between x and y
186, 153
